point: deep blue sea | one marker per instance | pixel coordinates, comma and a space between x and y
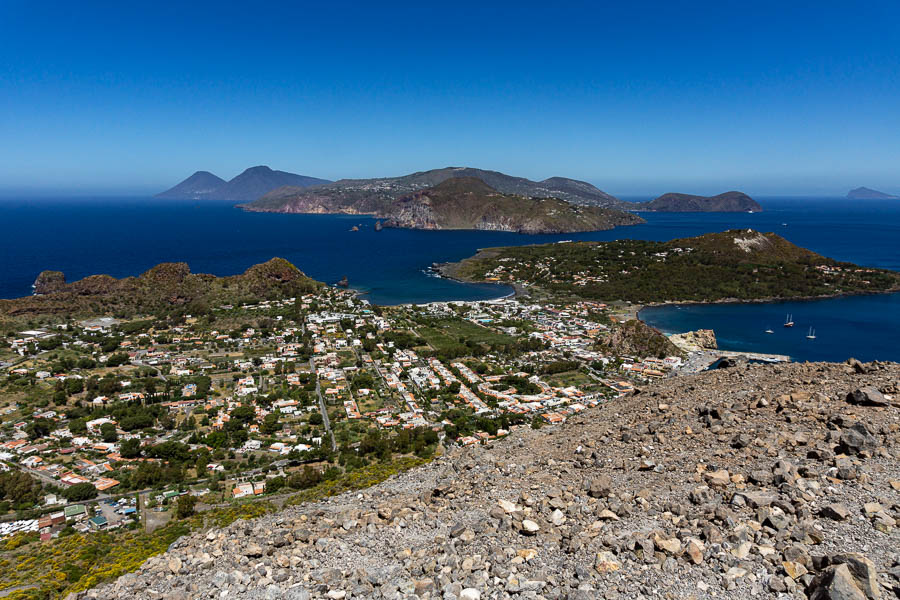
125, 236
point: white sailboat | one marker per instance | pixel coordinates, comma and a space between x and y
789, 321
812, 334
769, 330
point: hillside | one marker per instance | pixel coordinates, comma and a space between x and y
727, 202
200, 185
470, 203
864, 193
248, 186
370, 196
737, 264
165, 288
736, 483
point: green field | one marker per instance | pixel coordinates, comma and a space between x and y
443, 334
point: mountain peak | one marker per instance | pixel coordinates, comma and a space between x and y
864, 193
251, 184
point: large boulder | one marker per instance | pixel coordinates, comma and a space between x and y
867, 396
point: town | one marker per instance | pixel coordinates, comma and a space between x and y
125, 423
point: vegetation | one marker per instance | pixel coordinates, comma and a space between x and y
356, 480
737, 264
165, 289
76, 562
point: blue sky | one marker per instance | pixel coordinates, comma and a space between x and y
767, 97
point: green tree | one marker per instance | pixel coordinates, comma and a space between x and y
80, 492
130, 448
108, 433
186, 506
38, 428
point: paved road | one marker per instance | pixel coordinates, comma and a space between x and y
312, 366
137, 361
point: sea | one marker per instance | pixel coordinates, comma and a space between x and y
126, 236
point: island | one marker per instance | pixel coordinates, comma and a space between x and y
371, 196
864, 193
728, 202
470, 203
249, 185
740, 264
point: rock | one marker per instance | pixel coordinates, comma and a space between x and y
671, 546
863, 571
836, 512
527, 553
599, 487
717, 478
175, 565
529, 527
867, 396
857, 439
507, 506
871, 508
557, 517
759, 499
836, 583
694, 550
794, 570
606, 562
470, 594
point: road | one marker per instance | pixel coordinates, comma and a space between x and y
325, 420
137, 361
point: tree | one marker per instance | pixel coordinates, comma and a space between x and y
130, 448
78, 426
80, 491
270, 424
306, 478
108, 433
117, 360
243, 413
186, 505
38, 428
75, 386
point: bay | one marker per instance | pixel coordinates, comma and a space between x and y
126, 236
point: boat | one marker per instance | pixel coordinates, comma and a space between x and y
769, 330
812, 334
789, 321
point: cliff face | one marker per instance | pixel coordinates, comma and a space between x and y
727, 202
469, 203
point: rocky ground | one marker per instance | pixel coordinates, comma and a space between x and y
754, 481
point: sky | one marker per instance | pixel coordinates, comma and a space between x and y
638, 98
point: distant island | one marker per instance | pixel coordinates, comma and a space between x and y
727, 202
740, 264
864, 193
373, 196
470, 203
253, 183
